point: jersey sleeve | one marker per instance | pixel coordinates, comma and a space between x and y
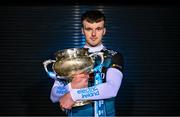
58, 89
105, 90
118, 61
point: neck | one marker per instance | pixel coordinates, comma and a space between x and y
94, 49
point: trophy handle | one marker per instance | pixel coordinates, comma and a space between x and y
100, 54
50, 73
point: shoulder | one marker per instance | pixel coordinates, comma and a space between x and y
117, 60
113, 53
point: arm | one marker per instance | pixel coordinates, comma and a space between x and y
105, 90
59, 89
102, 91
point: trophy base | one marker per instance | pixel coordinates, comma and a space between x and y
82, 103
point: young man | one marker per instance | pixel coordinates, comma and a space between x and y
93, 28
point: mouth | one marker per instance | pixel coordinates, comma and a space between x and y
93, 38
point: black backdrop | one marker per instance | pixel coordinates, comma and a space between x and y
147, 36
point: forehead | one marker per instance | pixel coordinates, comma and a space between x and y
93, 25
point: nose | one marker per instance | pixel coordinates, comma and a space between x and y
93, 33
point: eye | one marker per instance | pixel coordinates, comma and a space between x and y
88, 29
99, 28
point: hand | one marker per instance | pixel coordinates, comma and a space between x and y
80, 81
66, 101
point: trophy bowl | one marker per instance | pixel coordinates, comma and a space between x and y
70, 62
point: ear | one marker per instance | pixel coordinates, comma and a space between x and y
82, 30
104, 32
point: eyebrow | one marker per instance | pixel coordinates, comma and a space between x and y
91, 28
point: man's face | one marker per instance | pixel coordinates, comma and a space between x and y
93, 32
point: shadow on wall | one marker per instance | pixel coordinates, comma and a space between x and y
125, 99
36, 97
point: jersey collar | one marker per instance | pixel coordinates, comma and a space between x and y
94, 49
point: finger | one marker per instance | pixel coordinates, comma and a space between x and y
68, 107
87, 76
84, 76
77, 77
62, 109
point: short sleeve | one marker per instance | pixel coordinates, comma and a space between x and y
118, 61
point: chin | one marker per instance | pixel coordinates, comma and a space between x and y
93, 45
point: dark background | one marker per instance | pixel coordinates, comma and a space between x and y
146, 34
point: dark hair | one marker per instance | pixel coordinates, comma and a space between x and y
93, 16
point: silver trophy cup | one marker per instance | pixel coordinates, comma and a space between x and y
69, 62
